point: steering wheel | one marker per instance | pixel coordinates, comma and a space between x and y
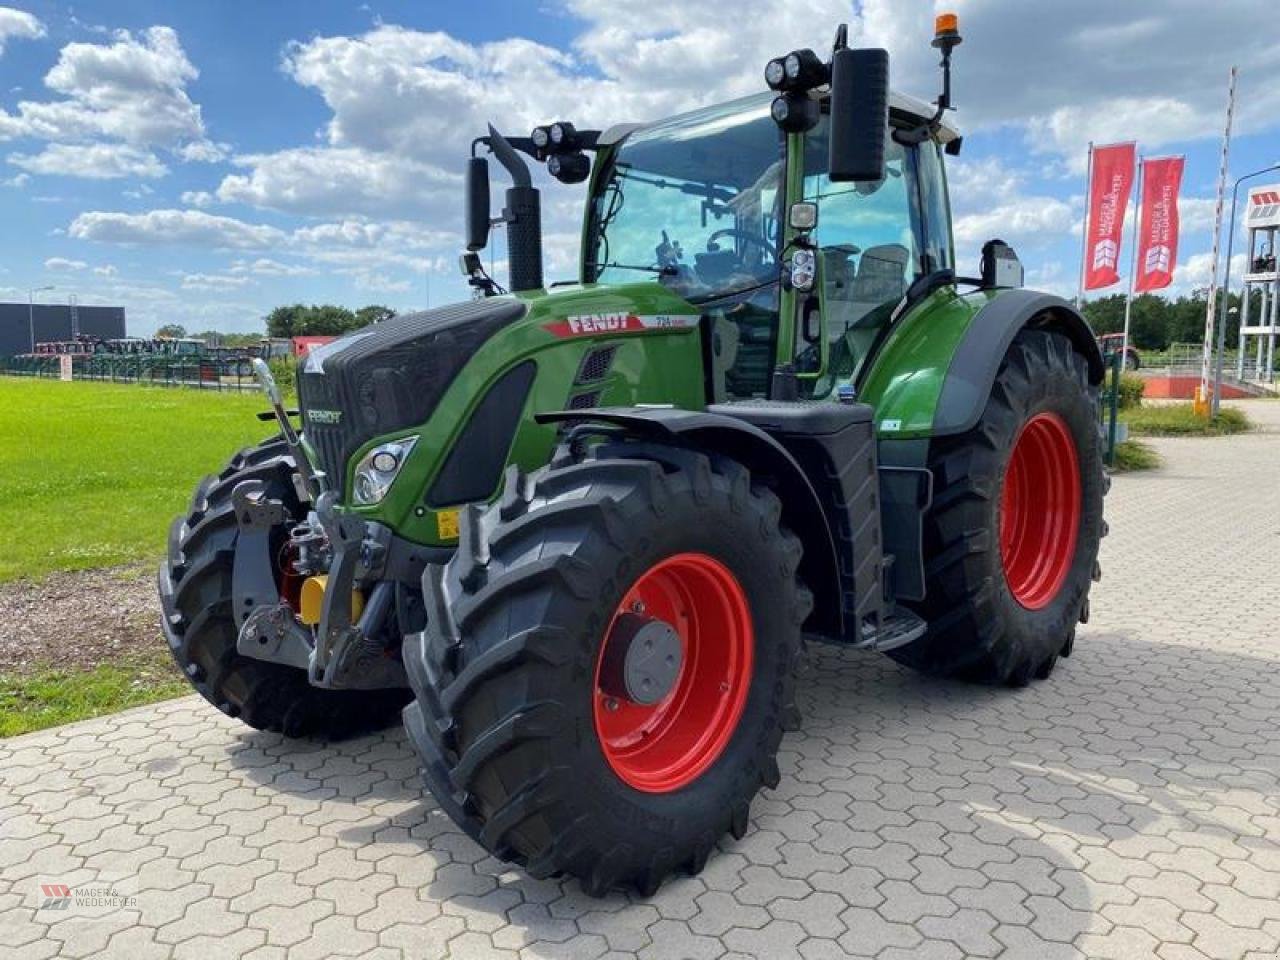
743, 235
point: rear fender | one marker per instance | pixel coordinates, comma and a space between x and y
768, 461
983, 346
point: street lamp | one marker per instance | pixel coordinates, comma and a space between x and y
31, 311
1226, 284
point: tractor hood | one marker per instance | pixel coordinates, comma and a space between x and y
390, 376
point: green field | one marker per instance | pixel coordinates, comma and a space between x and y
92, 474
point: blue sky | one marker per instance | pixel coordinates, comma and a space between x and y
201, 163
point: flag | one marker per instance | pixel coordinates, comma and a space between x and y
1158, 223
1109, 190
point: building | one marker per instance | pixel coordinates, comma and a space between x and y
53, 321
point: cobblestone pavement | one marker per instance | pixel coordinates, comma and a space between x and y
1128, 807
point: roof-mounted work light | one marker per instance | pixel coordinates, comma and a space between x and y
804, 70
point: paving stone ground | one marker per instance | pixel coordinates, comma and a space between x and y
1129, 807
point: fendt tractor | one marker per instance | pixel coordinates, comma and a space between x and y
580, 533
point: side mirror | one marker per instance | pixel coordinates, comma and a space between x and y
859, 115
477, 203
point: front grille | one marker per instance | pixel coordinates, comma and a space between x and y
390, 376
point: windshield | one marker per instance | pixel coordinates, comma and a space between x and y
693, 202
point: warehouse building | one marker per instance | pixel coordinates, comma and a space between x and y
54, 321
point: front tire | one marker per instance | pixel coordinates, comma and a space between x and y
1011, 541
195, 594
541, 760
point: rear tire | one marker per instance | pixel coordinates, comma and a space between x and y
507, 711
195, 595
993, 617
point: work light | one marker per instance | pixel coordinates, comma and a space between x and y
775, 74
794, 112
569, 167
541, 136
562, 135
804, 70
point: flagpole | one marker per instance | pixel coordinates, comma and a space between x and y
1205, 403
1133, 263
1084, 229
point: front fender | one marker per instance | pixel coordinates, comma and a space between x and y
767, 459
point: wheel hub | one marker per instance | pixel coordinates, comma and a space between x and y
642, 659
673, 672
1040, 508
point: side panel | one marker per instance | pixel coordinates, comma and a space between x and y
660, 364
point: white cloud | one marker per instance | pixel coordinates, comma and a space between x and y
329, 181
17, 181
92, 161
106, 270
122, 100
197, 198
204, 151
63, 265
19, 25
265, 267
212, 281
380, 283
163, 227
992, 199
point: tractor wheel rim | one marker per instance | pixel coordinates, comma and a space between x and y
669, 744
1040, 508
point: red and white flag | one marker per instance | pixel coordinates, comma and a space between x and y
1158, 224
1109, 190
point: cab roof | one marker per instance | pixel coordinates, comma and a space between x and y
899, 103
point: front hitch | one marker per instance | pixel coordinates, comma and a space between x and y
346, 652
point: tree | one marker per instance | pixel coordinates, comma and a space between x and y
172, 330
284, 321
374, 313
326, 321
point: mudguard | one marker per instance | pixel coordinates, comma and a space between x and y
763, 455
982, 348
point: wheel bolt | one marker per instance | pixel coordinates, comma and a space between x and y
637, 606
611, 704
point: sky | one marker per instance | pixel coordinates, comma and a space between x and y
203, 162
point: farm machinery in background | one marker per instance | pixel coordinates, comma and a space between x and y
160, 358
581, 533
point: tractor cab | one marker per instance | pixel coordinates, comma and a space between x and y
701, 203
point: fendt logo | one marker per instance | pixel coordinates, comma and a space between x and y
1105, 255
327, 417
586, 325
1157, 259
57, 896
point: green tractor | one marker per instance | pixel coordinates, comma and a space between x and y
580, 533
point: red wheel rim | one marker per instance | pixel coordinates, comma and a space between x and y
667, 745
1040, 510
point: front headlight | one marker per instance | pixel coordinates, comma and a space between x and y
378, 468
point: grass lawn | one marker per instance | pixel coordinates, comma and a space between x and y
1134, 455
92, 474
52, 696
1180, 420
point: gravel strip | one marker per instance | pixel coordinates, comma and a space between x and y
78, 620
